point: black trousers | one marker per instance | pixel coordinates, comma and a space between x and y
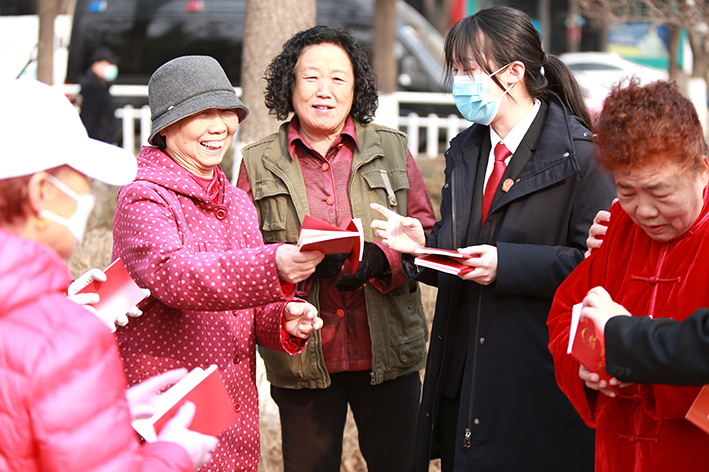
313, 422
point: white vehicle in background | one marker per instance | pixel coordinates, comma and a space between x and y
597, 72
607, 68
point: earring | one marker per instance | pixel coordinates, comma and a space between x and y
41, 223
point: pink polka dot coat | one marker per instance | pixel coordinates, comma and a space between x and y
214, 285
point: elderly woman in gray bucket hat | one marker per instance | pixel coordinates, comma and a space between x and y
193, 239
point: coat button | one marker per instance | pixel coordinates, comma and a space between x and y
220, 213
330, 200
237, 407
440, 337
237, 358
476, 421
482, 340
566, 154
340, 313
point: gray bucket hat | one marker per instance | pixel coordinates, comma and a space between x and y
187, 85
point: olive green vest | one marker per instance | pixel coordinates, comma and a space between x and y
397, 323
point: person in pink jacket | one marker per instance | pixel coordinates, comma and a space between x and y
193, 240
63, 403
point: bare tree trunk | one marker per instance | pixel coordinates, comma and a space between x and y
384, 34
267, 25
672, 53
47, 10
438, 12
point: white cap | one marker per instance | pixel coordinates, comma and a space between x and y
40, 129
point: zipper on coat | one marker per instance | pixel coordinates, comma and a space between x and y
468, 430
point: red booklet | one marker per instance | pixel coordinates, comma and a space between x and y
443, 260
317, 235
118, 294
443, 264
587, 345
698, 413
203, 387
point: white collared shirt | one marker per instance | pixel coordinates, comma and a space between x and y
512, 141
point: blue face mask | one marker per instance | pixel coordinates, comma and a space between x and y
110, 72
473, 100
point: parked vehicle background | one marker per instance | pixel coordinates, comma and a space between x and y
597, 72
144, 34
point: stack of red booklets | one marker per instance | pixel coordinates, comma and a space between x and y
317, 235
443, 260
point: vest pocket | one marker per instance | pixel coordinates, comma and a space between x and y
406, 323
271, 199
388, 184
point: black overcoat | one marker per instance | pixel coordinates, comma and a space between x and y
516, 416
663, 350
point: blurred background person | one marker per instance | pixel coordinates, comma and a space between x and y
192, 239
650, 262
98, 109
520, 192
62, 388
373, 341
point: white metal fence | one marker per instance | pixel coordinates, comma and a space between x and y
435, 128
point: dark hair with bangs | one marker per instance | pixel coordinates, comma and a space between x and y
500, 35
280, 74
649, 124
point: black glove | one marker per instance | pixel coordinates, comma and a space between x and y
330, 266
374, 262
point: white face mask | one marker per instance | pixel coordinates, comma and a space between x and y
76, 223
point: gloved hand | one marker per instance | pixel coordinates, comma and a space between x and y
374, 262
141, 396
330, 266
198, 446
88, 299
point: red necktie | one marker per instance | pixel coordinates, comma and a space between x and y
501, 153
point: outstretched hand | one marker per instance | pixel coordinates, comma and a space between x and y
301, 319
295, 266
403, 234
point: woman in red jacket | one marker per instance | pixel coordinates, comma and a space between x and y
62, 389
652, 263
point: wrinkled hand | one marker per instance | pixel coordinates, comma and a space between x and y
593, 381
295, 266
597, 231
141, 396
403, 234
198, 446
484, 261
600, 307
301, 319
373, 263
330, 266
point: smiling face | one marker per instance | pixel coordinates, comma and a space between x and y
664, 200
198, 143
323, 91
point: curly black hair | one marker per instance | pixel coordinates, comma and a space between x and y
280, 73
